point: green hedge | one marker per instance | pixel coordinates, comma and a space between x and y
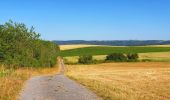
120, 57
132, 57
86, 59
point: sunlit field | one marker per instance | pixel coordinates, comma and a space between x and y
156, 56
160, 45
125, 81
74, 46
12, 81
152, 56
85, 49
104, 50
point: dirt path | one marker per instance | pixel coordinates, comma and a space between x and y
57, 87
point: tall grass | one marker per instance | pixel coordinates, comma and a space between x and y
12, 81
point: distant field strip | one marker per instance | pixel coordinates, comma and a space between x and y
75, 46
104, 50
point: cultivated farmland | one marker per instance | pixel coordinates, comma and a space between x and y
104, 50
125, 81
68, 47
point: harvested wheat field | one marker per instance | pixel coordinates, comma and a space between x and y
155, 56
74, 46
125, 81
167, 45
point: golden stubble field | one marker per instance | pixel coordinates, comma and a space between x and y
125, 81
74, 46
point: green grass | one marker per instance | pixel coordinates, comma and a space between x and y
6, 72
103, 50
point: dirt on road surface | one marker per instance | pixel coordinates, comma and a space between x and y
57, 87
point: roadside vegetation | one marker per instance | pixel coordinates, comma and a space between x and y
13, 80
23, 55
22, 47
125, 81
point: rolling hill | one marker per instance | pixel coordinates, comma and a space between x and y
116, 42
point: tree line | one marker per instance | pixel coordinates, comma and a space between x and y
22, 46
116, 42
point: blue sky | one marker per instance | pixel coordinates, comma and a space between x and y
92, 19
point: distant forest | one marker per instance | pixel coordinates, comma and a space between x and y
116, 42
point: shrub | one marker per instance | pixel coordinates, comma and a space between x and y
86, 59
117, 57
132, 57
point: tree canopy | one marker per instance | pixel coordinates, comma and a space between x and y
21, 46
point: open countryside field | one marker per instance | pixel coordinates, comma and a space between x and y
13, 80
74, 46
155, 56
160, 45
152, 56
104, 50
85, 50
150, 52
125, 81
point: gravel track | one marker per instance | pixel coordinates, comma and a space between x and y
57, 87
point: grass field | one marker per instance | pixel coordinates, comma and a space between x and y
104, 50
125, 81
152, 56
12, 81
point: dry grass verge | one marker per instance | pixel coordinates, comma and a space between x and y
12, 83
125, 81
